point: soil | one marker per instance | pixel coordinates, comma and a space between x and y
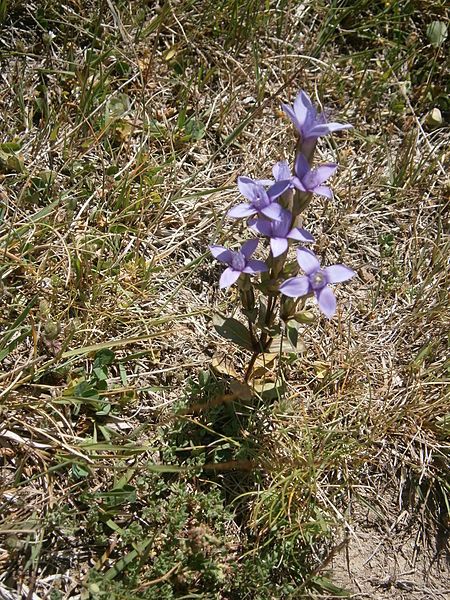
401, 561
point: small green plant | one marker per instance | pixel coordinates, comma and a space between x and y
89, 390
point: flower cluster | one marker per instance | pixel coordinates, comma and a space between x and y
274, 207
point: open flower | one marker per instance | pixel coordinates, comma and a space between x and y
261, 202
316, 281
238, 262
304, 178
280, 231
307, 121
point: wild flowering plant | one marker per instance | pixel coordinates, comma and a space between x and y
275, 287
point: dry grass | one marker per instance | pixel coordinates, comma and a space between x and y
124, 129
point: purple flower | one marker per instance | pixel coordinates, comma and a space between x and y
261, 202
238, 262
307, 121
304, 179
280, 231
316, 281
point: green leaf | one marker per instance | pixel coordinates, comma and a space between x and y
41, 214
15, 163
305, 316
85, 390
123, 562
100, 373
10, 147
292, 335
123, 375
105, 431
104, 411
437, 33
194, 129
3, 10
103, 358
116, 107
100, 384
262, 312
79, 471
10, 347
323, 583
119, 495
44, 179
231, 329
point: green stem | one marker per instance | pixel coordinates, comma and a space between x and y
265, 340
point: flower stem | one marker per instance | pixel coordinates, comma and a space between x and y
265, 339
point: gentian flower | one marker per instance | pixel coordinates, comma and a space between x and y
304, 178
238, 262
316, 281
280, 231
307, 121
261, 202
